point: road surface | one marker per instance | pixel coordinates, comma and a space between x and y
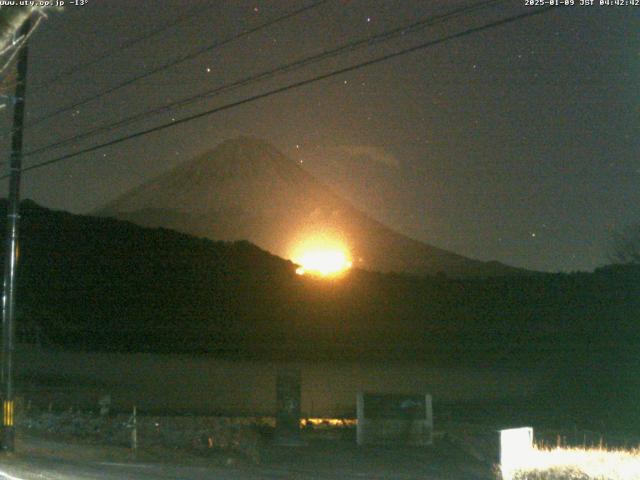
316, 461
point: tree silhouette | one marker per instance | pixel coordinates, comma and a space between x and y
626, 245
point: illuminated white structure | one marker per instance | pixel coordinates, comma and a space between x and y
516, 447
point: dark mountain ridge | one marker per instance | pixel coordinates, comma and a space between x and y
245, 189
101, 284
105, 284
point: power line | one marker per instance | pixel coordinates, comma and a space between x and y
177, 61
351, 46
292, 86
119, 48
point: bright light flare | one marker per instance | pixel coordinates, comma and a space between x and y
322, 257
323, 262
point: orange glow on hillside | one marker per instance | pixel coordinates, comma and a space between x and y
321, 256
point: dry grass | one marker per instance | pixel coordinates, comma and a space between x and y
574, 464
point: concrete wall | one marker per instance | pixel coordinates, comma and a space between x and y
183, 383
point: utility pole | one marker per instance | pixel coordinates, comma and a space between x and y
11, 18
11, 254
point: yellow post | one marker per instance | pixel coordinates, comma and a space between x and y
7, 415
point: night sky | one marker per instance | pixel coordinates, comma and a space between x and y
519, 143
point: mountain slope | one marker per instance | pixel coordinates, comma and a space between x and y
100, 283
246, 189
104, 284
